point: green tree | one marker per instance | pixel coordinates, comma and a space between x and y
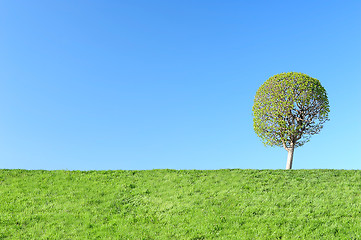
288, 109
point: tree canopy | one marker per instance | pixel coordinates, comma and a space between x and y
288, 109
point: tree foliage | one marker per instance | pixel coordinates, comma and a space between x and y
288, 109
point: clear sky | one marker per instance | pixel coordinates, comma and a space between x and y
170, 84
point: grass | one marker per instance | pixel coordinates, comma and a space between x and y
185, 204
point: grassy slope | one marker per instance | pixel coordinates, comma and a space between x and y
169, 204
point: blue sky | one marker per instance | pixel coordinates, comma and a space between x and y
170, 84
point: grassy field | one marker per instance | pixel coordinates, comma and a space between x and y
185, 204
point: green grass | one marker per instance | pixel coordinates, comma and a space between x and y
186, 204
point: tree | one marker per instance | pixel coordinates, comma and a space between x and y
288, 109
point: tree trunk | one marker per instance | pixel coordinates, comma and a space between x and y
290, 157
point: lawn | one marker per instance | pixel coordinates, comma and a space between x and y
180, 204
